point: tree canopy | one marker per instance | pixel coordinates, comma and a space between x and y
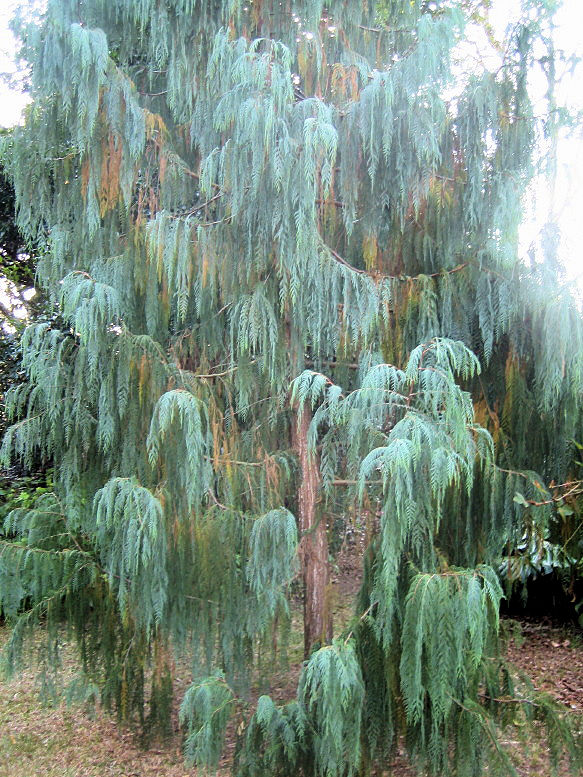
283, 242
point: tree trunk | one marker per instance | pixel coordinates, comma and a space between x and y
314, 542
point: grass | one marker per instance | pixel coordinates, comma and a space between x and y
40, 740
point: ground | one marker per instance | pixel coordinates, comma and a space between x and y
61, 741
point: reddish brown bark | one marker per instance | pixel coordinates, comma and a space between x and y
314, 543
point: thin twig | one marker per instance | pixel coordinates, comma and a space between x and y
215, 500
362, 617
384, 276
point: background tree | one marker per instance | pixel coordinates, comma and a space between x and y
17, 269
17, 258
242, 196
11, 245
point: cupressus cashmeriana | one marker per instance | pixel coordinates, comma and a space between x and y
282, 238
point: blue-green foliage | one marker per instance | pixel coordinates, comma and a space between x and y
420, 426
273, 559
131, 542
239, 196
332, 692
439, 656
42, 564
205, 712
190, 447
275, 740
320, 732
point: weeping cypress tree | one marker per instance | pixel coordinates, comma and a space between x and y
283, 246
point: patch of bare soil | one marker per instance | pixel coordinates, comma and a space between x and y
552, 655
